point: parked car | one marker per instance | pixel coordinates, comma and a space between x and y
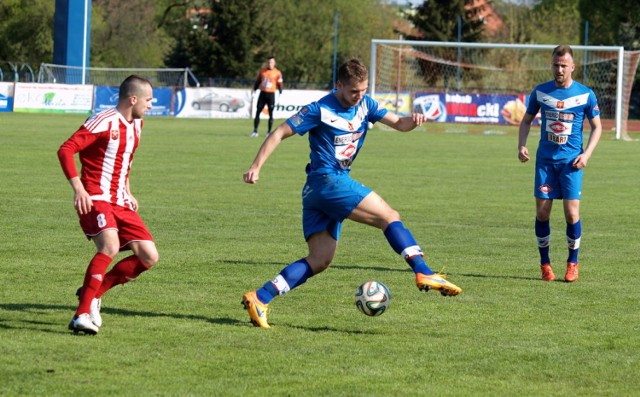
214, 101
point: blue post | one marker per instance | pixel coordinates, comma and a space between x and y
71, 38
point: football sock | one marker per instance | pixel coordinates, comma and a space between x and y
292, 276
543, 235
574, 233
403, 243
93, 279
124, 271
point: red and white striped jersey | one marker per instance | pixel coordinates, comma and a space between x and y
105, 143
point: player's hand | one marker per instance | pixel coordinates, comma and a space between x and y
134, 203
523, 154
580, 162
82, 202
418, 119
251, 176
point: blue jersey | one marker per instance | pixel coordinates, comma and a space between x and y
563, 111
336, 134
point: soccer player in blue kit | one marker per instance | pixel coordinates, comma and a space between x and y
560, 159
337, 126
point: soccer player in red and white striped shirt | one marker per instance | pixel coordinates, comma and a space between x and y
105, 144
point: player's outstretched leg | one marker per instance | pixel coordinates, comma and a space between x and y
403, 243
257, 310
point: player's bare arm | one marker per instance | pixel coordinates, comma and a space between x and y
596, 132
268, 146
523, 133
403, 124
134, 201
81, 199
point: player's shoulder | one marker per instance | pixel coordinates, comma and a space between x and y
579, 87
100, 121
546, 87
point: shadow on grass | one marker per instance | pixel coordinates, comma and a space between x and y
46, 326
34, 308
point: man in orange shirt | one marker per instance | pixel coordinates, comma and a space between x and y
269, 79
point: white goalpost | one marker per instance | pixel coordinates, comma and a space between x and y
161, 77
406, 68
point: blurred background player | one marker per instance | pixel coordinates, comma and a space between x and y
107, 210
269, 80
337, 125
563, 104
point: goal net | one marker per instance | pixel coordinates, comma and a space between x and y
178, 77
410, 69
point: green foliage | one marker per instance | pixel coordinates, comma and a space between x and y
179, 329
125, 34
546, 22
26, 31
614, 22
237, 36
438, 21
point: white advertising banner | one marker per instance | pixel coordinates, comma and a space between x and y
238, 103
6, 97
53, 98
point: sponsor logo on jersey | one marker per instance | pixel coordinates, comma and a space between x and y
559, 139
551, 114
349, 151
558, 127
566, 116
343, 139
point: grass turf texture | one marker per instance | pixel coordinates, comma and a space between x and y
180, 329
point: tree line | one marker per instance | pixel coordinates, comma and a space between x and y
232, 38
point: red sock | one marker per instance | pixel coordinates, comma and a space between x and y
92, 281
124, 271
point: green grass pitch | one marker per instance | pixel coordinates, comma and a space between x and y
179, 330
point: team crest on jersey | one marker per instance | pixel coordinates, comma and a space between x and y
560, 105
115, 134
545, 189
298, 118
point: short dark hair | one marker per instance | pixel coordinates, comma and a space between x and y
562, 50
132, 86
352, 71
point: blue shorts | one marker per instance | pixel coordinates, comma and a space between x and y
558, 181
327, 200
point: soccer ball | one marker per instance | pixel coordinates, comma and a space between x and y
373, 298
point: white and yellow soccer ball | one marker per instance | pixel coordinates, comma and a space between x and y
373, 298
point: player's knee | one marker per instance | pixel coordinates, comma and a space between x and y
319, 263
111, 250
150, 259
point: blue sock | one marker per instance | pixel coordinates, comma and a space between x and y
543, 234
574, 233
292, 276
403, 243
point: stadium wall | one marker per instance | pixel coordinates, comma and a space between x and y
214, 103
